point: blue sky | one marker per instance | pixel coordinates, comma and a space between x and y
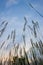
14, 11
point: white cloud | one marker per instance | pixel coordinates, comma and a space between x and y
11, 2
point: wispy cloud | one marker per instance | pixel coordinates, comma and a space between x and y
11, 2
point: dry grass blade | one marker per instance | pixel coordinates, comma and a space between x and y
16, 49
35, 34
36, 45
32, 42
11, 34
24, 40
41, 47
30, 29
17, 46
8, 37
2, 23
21, 52
7, 46
25, 24
33, 52
35, 27
14, 36
2, 45
2, 30
35, 24
26, 57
